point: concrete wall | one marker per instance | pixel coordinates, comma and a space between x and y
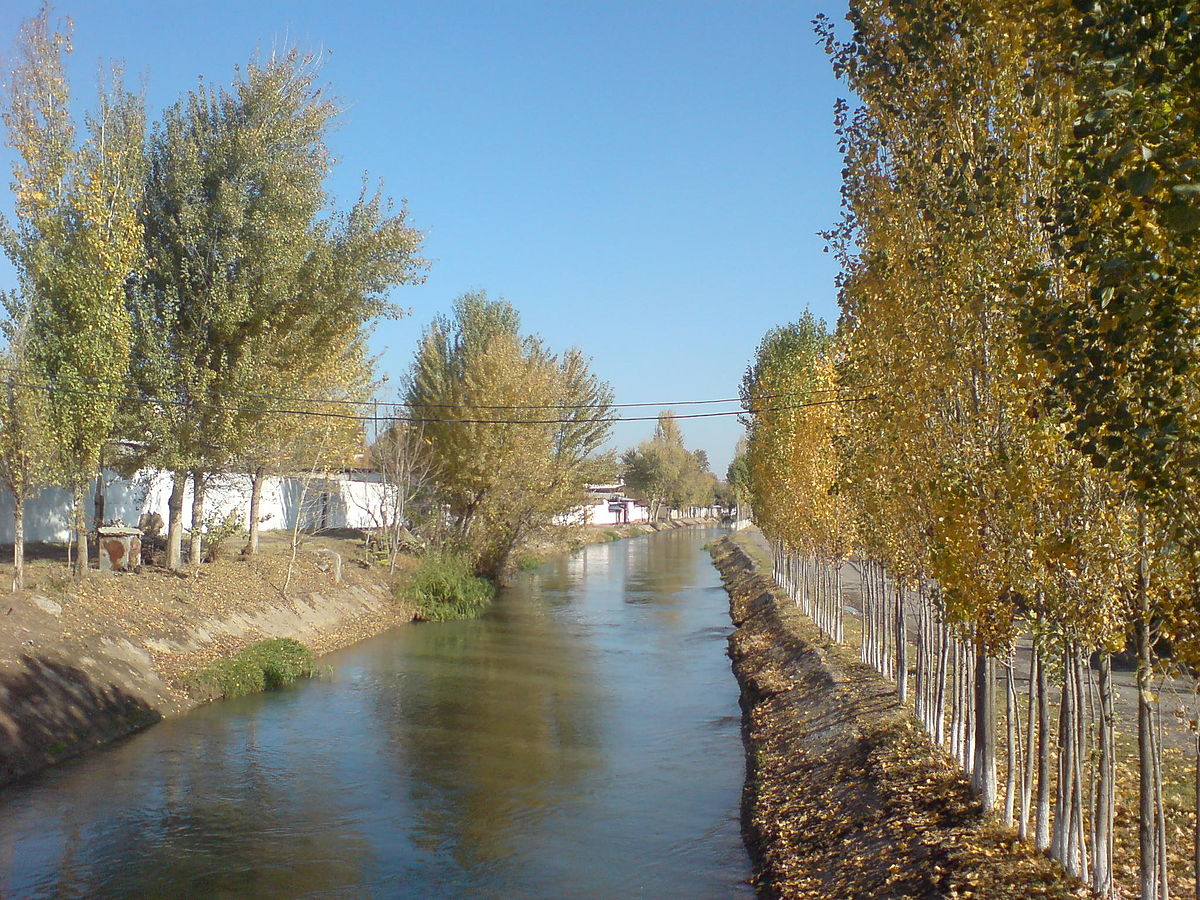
598, 513
358, 500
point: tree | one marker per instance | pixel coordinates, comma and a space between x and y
76, 241
23, 438
508, 426
254, 294
664, 473
737, 477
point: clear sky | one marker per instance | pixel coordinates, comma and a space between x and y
643, 179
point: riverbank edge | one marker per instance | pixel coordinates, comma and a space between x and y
60, 704
57, 703
845, 795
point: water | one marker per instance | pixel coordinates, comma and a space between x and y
580, 740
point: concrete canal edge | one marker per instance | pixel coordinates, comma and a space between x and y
89, 675
845, 795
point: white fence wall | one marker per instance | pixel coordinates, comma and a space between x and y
356, 500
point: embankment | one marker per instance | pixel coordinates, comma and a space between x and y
845, 795
83, 663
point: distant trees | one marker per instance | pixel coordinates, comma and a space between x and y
665, 474
507, 424
737, 478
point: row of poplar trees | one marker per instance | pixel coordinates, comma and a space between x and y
185, 290
1003, 434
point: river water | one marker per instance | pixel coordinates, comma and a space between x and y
579, 740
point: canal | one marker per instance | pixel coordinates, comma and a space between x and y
582, 739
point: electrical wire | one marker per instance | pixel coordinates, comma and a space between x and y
191, 404
392, 404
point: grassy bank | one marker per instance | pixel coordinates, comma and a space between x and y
265, 666
83, 662
442, 588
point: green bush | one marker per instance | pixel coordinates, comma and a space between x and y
443, 588
267, 665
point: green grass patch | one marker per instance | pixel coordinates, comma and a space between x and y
443, 588
265, 666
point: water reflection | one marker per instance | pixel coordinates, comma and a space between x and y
581, 740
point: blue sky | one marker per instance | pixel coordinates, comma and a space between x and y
642, 179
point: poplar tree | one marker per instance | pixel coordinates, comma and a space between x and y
255, 291
23, 437
76, 241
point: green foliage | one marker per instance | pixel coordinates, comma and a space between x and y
663, 472
75, 241
219, 532
443, 587
737, 475
510, 427
266, 666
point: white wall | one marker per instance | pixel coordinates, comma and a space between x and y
350, 501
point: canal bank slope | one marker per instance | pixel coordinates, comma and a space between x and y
85, 662
845, 795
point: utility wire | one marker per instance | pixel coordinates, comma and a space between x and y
189, 404
392, 404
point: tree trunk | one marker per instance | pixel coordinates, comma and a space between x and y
175, 521
1164, 890
1081, 753
98, 515
921, 677
1147, 813
1060, 844
1196, 834
256, 485
1102, 827
901, 646
18, 541
983, 769
1012, 728
1030, 748
80, 511
939, 692
199, 483
1042, 828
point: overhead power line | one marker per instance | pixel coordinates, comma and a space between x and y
416, 420
394, 404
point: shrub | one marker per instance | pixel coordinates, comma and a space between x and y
443, 588
529, 563
219, 531
267, 665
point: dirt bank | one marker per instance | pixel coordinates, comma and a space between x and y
845, 794
83, 663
